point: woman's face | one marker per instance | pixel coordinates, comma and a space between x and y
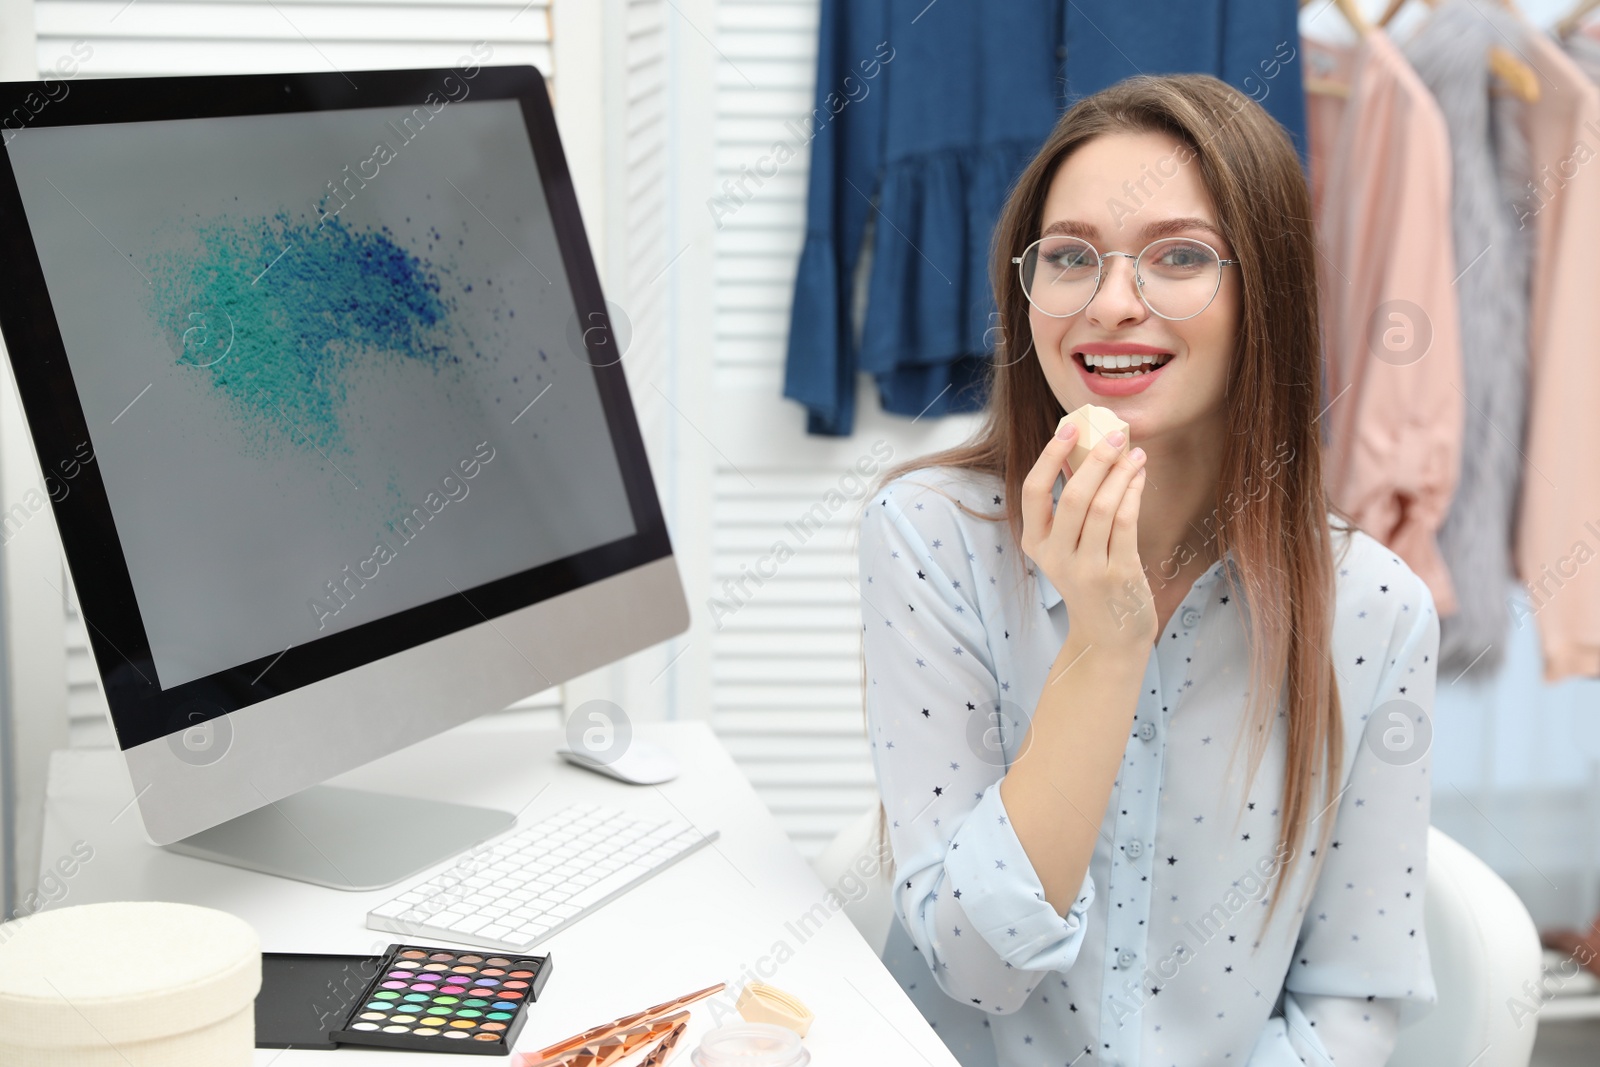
1119, 192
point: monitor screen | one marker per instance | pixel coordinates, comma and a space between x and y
329, 366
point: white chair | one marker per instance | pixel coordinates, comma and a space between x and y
857, 842
1481, 941
1483, 947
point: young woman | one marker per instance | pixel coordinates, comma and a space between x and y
1057, 658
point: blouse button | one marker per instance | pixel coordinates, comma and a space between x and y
1190, 618
1126, 959
1135, 849
1147, 731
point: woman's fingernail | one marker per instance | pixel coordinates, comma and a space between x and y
1066, 431
1117, 438
1137, 455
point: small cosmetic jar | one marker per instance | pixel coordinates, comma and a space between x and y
135, 984
750, 1045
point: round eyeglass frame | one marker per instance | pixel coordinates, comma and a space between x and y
1100, 274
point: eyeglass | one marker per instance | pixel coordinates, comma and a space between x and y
1177, 277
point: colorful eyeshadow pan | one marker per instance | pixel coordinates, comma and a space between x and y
453, 1002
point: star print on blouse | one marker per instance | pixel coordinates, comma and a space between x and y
948, 825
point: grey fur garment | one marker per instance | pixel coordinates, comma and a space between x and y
1489, 175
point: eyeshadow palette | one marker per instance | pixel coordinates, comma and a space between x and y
413, 997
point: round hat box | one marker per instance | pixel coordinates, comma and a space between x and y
137, 984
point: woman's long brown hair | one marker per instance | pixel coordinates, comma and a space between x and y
1279, 538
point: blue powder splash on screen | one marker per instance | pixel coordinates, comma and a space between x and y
306, 309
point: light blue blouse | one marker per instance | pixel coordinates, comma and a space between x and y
1162, 959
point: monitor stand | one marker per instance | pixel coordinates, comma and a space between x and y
346, 838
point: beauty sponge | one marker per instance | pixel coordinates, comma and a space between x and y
762, 1003
1094, 423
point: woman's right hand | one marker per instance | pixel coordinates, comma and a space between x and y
1087, 543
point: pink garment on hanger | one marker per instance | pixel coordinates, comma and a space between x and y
1557, 539
1396, 406
1324, 111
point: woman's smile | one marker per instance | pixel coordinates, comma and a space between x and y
1119, 368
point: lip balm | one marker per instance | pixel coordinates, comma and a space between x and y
1094, 424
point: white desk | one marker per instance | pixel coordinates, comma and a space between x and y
706, 919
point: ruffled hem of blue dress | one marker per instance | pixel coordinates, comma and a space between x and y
929, 297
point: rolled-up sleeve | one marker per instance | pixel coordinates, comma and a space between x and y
1361, 966
966, 892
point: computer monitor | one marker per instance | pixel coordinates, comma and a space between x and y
337, 436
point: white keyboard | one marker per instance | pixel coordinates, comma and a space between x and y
514, 892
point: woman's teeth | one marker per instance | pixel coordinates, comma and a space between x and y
1108, 366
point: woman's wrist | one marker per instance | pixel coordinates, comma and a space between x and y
1080, 656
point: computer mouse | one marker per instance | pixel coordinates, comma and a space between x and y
641, 763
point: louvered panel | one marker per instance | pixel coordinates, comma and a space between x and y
775, 73
794, 16
810, 722
772, 747
786, 120
754, 270
642, 288
749, 540
752, 294
808, 594
762, 378
829, 647
786, 686
786, 776
739, 353
813, 815
236, 36
124, 57
764, 102
777, 246
801, 483
837, 513
766, 617
810, 668
763, 324
236, 20
801, 697
754, 45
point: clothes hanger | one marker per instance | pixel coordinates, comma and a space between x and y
1512, 71
1351, 11
1392, 10
1358, 22
1509, 69
1575, 18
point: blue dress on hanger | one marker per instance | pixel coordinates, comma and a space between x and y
925, 115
